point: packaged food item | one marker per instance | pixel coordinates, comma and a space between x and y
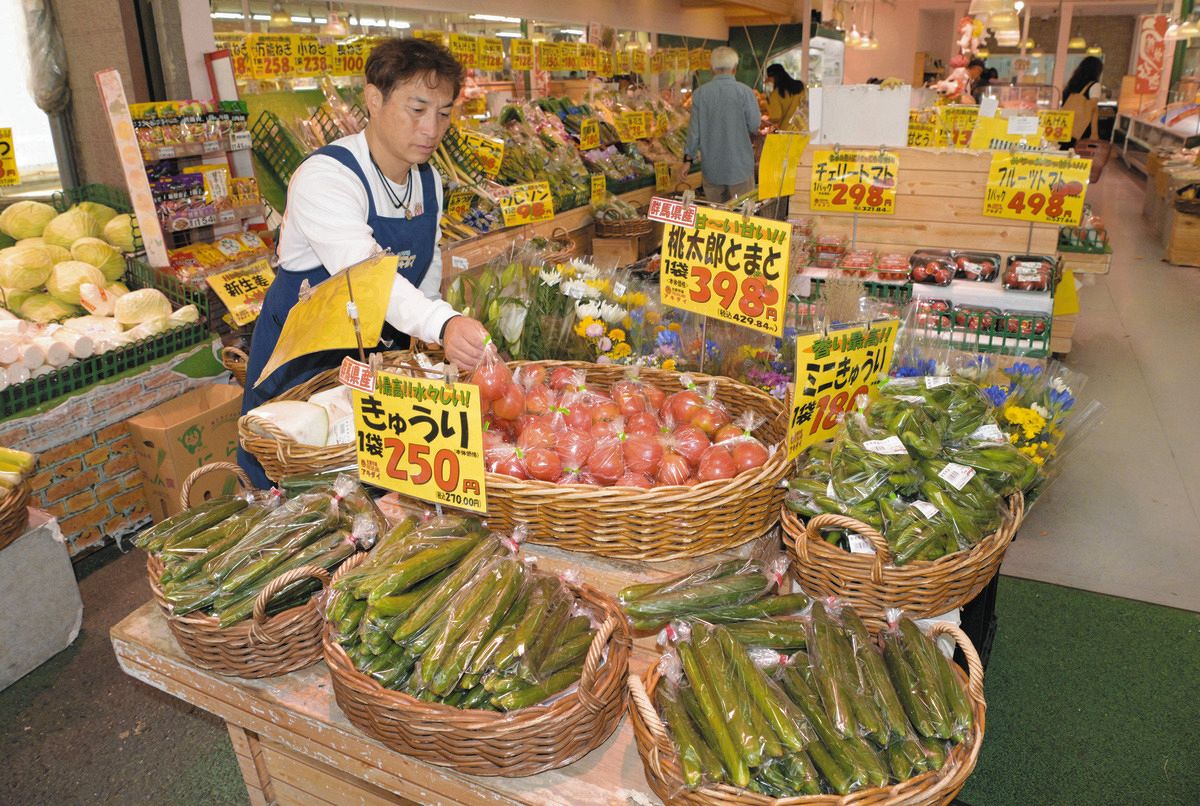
858, 263
979, 266
933, 266
892, 267
934, 313
1030, 272
827, 250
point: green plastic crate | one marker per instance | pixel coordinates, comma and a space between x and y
996, 342
276, 146
100, 194
899, 293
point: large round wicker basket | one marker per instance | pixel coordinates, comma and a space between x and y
14, 513
513, 744
928, 789
872, 585
662, 523
622, 228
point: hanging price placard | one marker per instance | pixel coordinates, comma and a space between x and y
490, 53
639, 61
8, 159
622, 62
832, 372
662, 176
489, 152
572, 59
548, 57
854, 181
698, 59
422, 438
464, 49
272, 56
633, 126
587, 57
922, 135
431, 36
239, 56
656, 62
1056, 124
242, 290
527, 204
777, 165
310, 56
604, 64
458, 203
599, 189
957, 123
520, 54
589, 134
728, 267
1043, 188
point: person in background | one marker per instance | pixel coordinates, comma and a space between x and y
1082, 96
724, 117
976, 69
784, 95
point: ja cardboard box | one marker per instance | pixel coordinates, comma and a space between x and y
174, 439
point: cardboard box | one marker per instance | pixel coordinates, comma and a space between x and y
174, 439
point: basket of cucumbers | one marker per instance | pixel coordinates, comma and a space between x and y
446, 646
855, 718
617, 218
237, 576
15, 467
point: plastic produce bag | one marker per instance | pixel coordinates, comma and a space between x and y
916, 680
719, 587
866, 461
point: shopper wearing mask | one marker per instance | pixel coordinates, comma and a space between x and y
724, 117
363, 194
784, 96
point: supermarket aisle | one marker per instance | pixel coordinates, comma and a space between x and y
1124, 517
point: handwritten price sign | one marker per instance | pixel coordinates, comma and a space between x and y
243, 290
490, 53
854, 182
957, 124
633, 126
662, 176
351, 58
272, 56
589, 134
1056, 124
458, 203
422, 438
521, 54
8, 159
1043, 188
527, 204
599, 189
832, 372
922, 135
728, 267
604, 64
239, 55
464, 49
489, 152
310, 57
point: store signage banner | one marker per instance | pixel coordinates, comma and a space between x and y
957, 123
521, 54
488, 151
8, 159
239, 56
1151, 53
777, 167
431, 36
272, 56
996, 134
589, 134
527, 204
1056, 124
854, 181
639, 61
422, 438
604, 64
730, 267
832, 372
242, 290
1043, 188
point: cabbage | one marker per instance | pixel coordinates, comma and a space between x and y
14, 298
109, 261
45, 308
24, 267
101, 212
66, 278
119, 232
117, 289
307, 423
58, 254
69, 227
26, 219
142, 305
6, 241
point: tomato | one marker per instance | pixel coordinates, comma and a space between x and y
543, 464
562, 378
538, 434
642, 422
493, 379
709, 419
608, 428
629, 397
673, 469
605, 412
655, 397
643, 454
574, 447
716, 463
632, 479
578, 416
512, 464
532, 376
681, 406
492, 440
540, 399
748, 454
606, 463
511, 404
919, 274
727, 432
690, 443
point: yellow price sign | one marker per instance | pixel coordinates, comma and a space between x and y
242, 290
521, 54
662, 176
633, 126
310, 56
728, 267
489, 152
491, 54
656, 62
639, 61
957, 123
527, 204
1056, 124
572, 58
458, 203
599, 189
922, 135
549, 57
272, 56
464, 49
604, 64
854, 182
351, 58
832, 372
698, 59
777, 166
8, 159
589, 134
1044, 188
422, 438
239, 56
587, 57
431, 36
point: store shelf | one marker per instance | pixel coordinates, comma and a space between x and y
239, 141
215, 218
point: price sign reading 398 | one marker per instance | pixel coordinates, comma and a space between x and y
854, 182
422, 438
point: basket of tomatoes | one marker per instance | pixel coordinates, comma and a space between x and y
630, 463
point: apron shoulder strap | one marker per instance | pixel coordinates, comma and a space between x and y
347, 158
428, 188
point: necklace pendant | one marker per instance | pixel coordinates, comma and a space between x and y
408, 214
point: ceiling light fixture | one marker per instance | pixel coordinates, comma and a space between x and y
227, 15
493, 18
1095, 50
280, 17
509, 34
1077, 42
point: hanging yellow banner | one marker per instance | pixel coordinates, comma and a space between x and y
464, 49
520, 54
8, 160
239, 57
1043, 188
854, 181
587, 57
490, 54
272, 56
698, 59
777, 166
351, 57
956, 124
639, 61
632, 126
572, 59
549, 57
589, 134
622, 62
527, 204
728, 267
656, 62
662, 176
1056, 124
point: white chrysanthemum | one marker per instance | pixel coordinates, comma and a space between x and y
611, 313
587, 310
550, 277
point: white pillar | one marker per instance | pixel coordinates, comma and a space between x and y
1060, 54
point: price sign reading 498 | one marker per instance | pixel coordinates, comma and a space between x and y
1044, 188
422, 438
854, 182
728, 267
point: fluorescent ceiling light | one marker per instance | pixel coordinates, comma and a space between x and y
509, 34
572, 32
302, 19
227, 15
400, 24
261, 17
493, 18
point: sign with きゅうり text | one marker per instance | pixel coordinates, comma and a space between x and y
8, 159
728, 267
832, 371
1043, 188
242, 290
422, 438
854, 181
589, 134
527, 204
1056, 124
489, 152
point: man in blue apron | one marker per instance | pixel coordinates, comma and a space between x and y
363, 194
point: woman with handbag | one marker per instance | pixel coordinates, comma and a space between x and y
1082, 96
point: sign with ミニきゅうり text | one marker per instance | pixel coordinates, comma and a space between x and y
854, 181
1043, 188
422, 438
832, 371
243, 290
527, 204
728, 267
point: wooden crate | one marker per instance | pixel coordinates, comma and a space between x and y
1086, 263
1183, 240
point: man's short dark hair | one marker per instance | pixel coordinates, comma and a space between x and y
980, 63
398, 60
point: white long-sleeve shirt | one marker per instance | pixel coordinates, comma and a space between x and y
325, 224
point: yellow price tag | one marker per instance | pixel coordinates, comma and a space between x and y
662, 176
239, 56
1056, 124
854, 182
957, 123
271, 55
832, 372
310, 57
572, 58
589, 134
8, 159
491, 54
527, 204
458, 203
520, 54
633, 126
587, 57
639, 61
1044, 188
777, 166
242, 290
489, 152
922, 135
599, 189
548, 57
464, 49
422, 438
728, 267
351, 58
656, 62
604, 64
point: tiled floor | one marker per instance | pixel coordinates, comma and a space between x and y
1124, 517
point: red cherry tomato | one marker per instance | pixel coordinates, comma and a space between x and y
543, 464
493, 379
539, 399
716, 463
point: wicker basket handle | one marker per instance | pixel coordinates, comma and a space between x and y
233, 355
259, 631
555, 236
883, 554
974, 665
257, 424
185, 492
591, 665
658, 732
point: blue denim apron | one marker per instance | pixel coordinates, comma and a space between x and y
402, 236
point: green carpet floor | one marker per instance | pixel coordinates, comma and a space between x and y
1091, 700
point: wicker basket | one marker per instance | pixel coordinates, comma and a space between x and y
623, 228
663, 523
185, 490
235, 360
569, 250
662, 764
514, 744
14, 513
922, 589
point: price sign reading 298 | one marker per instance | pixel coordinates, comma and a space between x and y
854, 182
422, 438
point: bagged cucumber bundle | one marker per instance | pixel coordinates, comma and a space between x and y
843, 716
217, 557
448, 612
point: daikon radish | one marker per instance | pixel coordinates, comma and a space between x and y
3, 379
13, 327
18, 373
31, 355
45, 369
56, 352
9, 352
